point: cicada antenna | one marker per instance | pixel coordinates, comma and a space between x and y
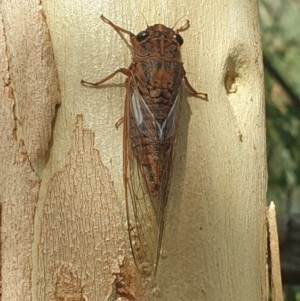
184, 27
144, 18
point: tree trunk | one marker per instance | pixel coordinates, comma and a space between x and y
63, 229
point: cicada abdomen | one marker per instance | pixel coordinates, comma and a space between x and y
151, 117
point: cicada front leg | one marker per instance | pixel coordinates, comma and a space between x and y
119, 122
192, 91
116, 27
125, 71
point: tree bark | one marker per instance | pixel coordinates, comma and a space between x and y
66, 203
29, 94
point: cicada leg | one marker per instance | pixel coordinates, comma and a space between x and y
116, 27
192, 91
105, 79
119, 122
100, 82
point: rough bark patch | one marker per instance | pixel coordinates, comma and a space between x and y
81, 228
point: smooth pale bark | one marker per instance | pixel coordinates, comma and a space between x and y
214, 242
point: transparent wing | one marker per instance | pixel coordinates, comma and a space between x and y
141, 215
145, 156
169, 127
145, 213
141, 218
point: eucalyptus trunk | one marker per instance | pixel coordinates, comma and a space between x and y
63, 213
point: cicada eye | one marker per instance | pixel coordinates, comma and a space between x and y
178, 38
142, 36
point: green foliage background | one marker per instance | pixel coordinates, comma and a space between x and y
280, 29
280, 26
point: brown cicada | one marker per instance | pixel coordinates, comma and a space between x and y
151, 117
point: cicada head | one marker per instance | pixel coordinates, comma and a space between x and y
157, 41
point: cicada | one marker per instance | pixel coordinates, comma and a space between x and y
151, 119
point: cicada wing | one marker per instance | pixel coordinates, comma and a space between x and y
146, 211
141, 218
169, 127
